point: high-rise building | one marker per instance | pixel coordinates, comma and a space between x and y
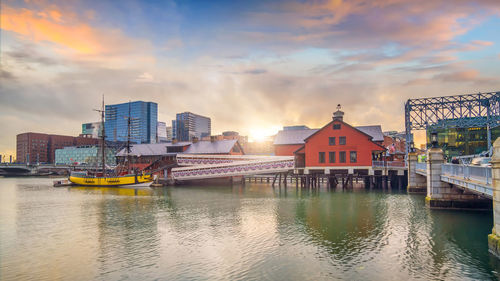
93, 129
143, 121
170, 133
188, 125
161, 132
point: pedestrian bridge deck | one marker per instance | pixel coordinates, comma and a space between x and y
476, 179
217, 166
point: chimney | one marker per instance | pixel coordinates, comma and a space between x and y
195, 139
338, 115
174, 140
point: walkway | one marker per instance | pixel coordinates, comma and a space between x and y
217, 166
472, 178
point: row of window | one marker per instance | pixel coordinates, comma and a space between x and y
353, 157
331, 141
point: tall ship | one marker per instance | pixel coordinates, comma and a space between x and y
119, 177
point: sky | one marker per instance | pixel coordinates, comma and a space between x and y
252, 66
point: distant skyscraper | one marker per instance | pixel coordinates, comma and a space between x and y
189, 125
93, 129
170, 134
144, 118
161, 132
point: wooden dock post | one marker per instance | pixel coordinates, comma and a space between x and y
274, 180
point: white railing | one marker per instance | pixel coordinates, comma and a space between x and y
197, 159
388, 164
233, 169
421, 166
474, 173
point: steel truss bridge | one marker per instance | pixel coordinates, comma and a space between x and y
198, 167
462, 111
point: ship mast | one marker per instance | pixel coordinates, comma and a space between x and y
103, 136
128, 138
103, 140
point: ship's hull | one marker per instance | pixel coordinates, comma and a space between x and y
110, 181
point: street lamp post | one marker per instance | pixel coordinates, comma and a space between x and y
434, 139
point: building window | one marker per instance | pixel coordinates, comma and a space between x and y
354, 156
336, 126
331, 140
341, 140
331, 157
342, 156
321, 157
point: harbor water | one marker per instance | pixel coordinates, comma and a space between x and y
252, 232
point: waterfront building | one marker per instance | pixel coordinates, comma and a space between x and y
338, 144
291, 138
396, 134
90, 155
40, 148
94, 129
461, 141
143, 119
161, 132
295, 127
395, 148
228, 135
221, 147
188, 125
264, 147
288, 141
143, 155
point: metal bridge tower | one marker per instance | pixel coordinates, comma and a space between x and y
462, 111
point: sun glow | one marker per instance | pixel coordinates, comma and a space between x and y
263, 134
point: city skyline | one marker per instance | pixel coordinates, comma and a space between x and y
251, 67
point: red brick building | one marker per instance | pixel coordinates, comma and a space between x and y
288, 141
395, 148
38, 147
338, 144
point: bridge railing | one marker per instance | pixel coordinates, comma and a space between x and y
197, 159
475, 173
421, 166
239, 168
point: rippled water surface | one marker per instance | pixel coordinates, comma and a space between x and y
234, 233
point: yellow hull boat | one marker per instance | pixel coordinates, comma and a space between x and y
84, 180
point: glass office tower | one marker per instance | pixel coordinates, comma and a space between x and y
188, 125
144, 118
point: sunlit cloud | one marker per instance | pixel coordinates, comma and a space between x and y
69, 34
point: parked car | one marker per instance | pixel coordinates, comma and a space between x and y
481, 161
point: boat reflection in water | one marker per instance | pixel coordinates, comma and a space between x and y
140, 190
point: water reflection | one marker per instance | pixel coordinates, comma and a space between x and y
122, 191
250, 232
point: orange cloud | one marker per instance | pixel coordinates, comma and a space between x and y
461, 76
482, 43
65, 30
